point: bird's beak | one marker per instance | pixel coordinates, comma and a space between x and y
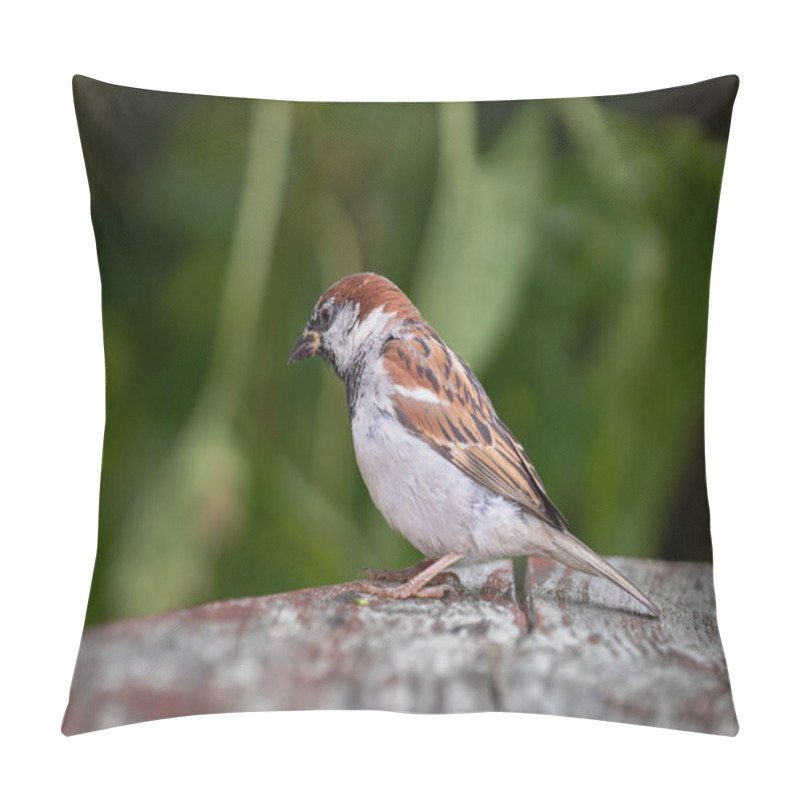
307, 346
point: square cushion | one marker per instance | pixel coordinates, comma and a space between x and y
562, 247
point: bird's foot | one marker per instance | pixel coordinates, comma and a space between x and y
396, 575
436, 589
408, 573
426, 579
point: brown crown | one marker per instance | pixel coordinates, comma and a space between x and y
371, 291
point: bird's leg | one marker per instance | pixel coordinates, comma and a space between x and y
397, 575
418, 585
405, 574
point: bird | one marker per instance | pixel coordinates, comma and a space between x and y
439, 464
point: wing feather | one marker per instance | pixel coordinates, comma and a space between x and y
456, 418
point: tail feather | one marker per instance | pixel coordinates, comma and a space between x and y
572, 552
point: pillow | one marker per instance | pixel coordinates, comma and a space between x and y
561, 247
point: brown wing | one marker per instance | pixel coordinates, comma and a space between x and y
463, 425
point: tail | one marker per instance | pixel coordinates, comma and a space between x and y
572, 552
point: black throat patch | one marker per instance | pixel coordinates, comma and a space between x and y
352, 383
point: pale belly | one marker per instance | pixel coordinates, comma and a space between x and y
432, 503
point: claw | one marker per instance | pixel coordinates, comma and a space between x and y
395, 575
437, 588
437, 592
378, 576
428, 580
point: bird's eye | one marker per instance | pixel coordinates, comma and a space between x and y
326, 316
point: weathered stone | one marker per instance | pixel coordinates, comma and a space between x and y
575, 648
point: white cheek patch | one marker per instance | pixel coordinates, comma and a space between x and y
421, 393
373, 323
354, 341
367, 334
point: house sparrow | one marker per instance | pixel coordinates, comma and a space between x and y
438, 462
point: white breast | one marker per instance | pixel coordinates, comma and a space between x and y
432, 503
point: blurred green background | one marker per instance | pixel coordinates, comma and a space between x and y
563, 248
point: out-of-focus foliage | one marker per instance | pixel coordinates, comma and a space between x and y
563, 248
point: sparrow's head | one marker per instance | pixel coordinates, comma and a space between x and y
352, 320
